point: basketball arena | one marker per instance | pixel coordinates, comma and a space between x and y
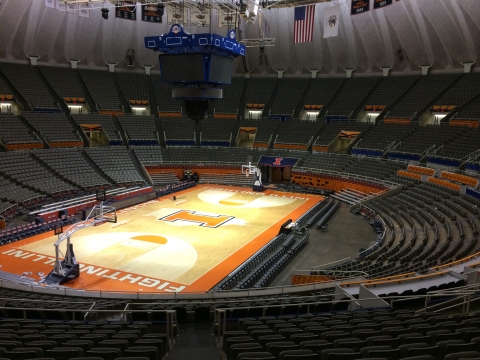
239, 180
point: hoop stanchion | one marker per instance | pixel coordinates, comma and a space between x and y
257, 173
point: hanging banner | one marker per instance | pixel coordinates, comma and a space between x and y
72, 8
377, 4
227, 20
360, 6
83, 10
126, 10
50, 3
199, 17
151, 14
61, 5
176, 15
332, 21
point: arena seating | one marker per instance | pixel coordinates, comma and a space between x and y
326, 161
232, 93
23, 168
117, 163
7, 209
148, 154
430, 206
265, 130
72, 165
471, 110
351, 96
178, 131
163, 95
322, 91
106, 123
28, 83
329, 131
133, 86
4, 89
55, 128
389, 89
14, 134
383, 136
375, 168
337, 334
459, 148
63, 81
290, 91
431, 224
163, 178
234, 155
424, 138
233, 179
462, 92
101, 87
16, 233
221, 155
216, 132
140, 129
421, 95
260, 90
260, 327
188, 154
13, 193
473, 165
296, 134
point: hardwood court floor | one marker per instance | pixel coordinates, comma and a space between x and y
163, 245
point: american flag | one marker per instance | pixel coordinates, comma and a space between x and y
303, 24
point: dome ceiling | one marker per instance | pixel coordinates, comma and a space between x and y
406, 34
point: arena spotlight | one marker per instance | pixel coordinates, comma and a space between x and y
105, 13
160, 9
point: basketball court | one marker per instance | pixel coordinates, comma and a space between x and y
164, 245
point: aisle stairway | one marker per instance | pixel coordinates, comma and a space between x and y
194, 344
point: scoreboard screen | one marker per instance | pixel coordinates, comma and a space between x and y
221, 69
196, 68
182, 67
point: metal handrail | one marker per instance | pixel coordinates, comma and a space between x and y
346, 175
333, 262
351, 274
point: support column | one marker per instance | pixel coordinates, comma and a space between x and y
349, 72
280, 72
111, 66
467, 66
314, 72
147, 69
73, 63
386, 70
425, 68
33, 59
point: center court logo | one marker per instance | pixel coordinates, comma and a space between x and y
211, 221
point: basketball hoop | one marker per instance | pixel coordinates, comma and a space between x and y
249, 169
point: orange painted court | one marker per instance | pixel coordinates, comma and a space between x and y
166, 245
